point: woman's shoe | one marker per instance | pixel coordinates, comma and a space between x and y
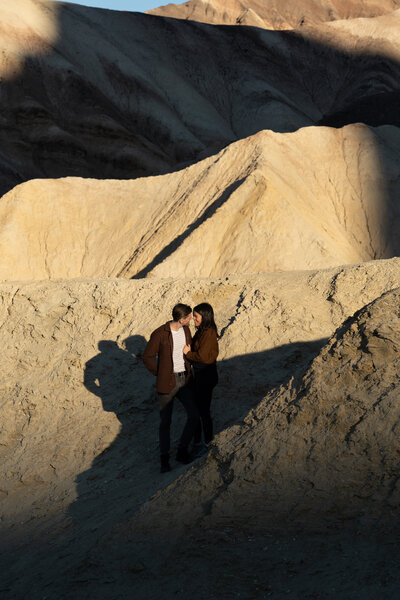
183, 456
165, 466
200, 449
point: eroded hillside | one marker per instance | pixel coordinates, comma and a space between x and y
315, 198
104, 94
79, 437
273, 14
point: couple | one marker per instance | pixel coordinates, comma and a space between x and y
185, 369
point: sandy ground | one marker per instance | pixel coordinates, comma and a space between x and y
73, 554
75, 529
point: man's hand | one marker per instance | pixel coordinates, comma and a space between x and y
186, 349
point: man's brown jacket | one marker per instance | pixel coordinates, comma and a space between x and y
161, 345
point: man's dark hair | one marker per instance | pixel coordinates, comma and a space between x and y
180, 311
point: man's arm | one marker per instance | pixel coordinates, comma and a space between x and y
151, 351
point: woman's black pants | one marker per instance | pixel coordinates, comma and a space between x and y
204, 383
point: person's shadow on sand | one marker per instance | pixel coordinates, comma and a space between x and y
109, 373
119, 379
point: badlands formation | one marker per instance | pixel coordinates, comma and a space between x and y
151, 159
274, 14
314, 198
104, 94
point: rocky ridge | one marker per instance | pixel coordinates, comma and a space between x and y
54, 375
273, 14
78, 103
266, 203
317, 454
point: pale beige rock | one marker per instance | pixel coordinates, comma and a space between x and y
315, 198
355, 35
273, 14
27, 28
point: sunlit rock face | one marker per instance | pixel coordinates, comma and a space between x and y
27, 27
315, 198
109, 94
273, 14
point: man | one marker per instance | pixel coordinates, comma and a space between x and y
172, 370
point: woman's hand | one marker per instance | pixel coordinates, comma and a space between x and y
186, 349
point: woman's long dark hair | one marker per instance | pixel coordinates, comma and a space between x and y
206, 312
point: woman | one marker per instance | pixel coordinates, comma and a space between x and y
203, 355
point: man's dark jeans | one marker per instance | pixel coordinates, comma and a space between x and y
186, 396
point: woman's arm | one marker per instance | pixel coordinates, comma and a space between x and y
207, 350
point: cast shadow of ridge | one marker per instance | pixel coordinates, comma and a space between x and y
113, 121
170, 248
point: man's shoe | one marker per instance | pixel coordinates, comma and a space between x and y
183, 456
165, 466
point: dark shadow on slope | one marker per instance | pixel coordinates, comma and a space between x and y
126, 474
178, 241
115, 375
144, 108
375, 110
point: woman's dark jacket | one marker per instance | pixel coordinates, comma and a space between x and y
204, 353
